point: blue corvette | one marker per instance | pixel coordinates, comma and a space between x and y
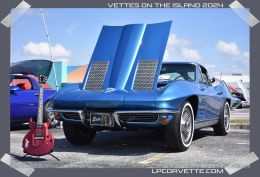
24, 90
127, 87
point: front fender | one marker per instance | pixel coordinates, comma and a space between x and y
173, 95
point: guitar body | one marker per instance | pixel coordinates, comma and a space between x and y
38, 146
39, 141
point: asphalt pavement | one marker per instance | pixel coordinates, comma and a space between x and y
120, 149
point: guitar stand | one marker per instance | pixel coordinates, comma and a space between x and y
46, 154
54, 157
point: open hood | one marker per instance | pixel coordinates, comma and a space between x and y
127, 57
34, 67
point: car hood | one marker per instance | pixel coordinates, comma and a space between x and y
123, 70
107, 99
34, 67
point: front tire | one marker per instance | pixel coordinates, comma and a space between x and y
223, 126
78, 134
178, 134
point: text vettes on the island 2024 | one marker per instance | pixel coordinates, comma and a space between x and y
127, 87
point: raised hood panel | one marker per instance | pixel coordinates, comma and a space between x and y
146, 69
104, 51
34, 67
123, 53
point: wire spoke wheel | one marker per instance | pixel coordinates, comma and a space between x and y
50, 115
226, 117
186, 127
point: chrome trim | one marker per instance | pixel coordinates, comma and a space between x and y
116, 115
205, 123
60, 111
65, 110
117, 119
147, 123
148, 111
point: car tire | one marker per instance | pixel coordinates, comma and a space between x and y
223, 126
178, 133
240, 106
78, 134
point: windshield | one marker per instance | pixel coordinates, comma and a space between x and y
177, 72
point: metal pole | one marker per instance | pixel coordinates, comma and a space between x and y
49, 42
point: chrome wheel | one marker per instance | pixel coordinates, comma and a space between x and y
187, 125
49, 115
227, 117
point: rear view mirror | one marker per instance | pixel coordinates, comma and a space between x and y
211, 81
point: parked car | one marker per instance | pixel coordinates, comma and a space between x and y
126, 87
24, 91
237, 94
236, 102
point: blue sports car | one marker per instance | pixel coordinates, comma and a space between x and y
127, 87
24, 90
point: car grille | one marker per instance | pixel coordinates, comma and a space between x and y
71, 115
138, 117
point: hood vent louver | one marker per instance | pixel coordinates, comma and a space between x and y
97, 75
145, 75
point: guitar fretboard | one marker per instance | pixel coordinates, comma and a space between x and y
40, 106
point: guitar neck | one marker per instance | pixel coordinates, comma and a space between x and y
40, 106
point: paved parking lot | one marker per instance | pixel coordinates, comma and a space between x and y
240, 114
134, 149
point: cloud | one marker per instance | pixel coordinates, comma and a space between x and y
231, 49
167, 54
228, 48
210, 66
246, 55
182, 47
41, 50
174, 44
177, 42
189, 53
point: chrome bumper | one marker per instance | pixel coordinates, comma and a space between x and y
115, 114
60, 111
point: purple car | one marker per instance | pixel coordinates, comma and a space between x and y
24, 90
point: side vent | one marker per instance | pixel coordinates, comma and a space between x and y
145, 75
97, 75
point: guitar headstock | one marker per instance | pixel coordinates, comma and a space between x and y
42, 79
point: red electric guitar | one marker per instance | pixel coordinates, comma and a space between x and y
39, 141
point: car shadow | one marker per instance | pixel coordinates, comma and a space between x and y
18, 127
123, 143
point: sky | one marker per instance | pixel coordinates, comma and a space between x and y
216, 38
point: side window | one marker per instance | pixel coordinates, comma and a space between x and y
23, 83
204, 76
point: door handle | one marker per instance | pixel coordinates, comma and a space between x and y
36, 94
